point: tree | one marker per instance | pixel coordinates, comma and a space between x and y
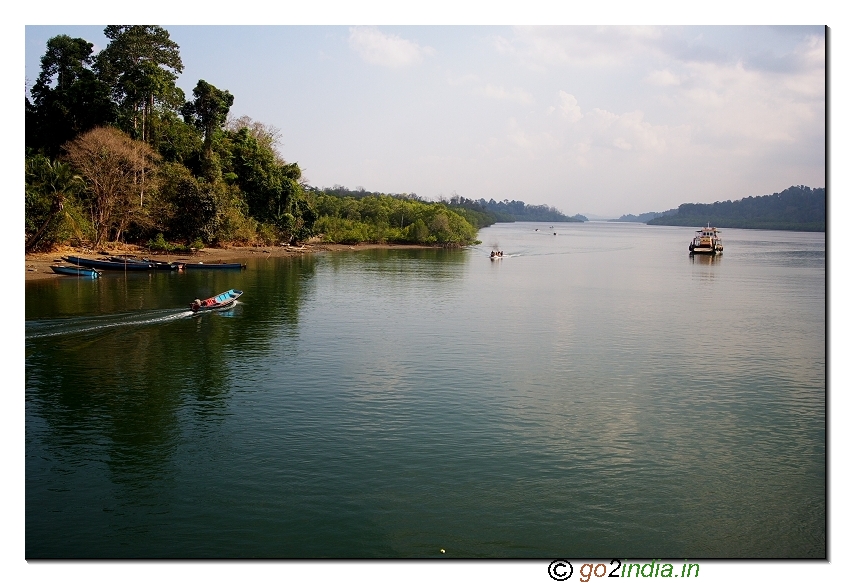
48, 185
112, 165
141, 64
268, 136
208, 112
67, 97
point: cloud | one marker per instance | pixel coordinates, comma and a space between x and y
516, 94
569, 107
539, 47
384, 50
663, 78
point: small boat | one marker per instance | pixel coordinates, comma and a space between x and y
706, 242
75, 270
202, 265
222, 300
164, 265
117, 259
119, 265
494, 255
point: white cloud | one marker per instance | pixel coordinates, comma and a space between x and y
663, 78
622, 144
569, 107
384, 50
516, 94
588, 46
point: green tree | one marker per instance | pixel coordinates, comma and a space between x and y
208, 112
67, 97
141, 64
270, 186
49, 185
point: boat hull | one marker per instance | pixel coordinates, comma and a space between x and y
75, 270
706, 250
108, 265
221, 301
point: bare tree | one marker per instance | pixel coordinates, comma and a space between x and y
113, 166
266, 135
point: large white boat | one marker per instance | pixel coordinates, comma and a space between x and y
707, 242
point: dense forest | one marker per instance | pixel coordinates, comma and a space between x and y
115, 151
641, 218
798, 208
515, 210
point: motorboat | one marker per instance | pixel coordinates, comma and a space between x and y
706, 241
222, 300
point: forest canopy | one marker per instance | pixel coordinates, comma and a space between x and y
115, 151
797, 208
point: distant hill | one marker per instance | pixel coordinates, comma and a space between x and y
641, 218
798, 208
516, 210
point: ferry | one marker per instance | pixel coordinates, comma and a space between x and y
706, 242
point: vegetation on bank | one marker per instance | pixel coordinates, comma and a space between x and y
511, 211
116, 152
381, 218
641, 218
797, 208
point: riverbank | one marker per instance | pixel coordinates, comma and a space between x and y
37, 265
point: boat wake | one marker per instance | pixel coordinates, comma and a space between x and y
81, 324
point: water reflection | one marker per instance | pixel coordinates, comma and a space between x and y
702, 259
117, 375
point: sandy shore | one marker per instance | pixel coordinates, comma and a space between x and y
37, 265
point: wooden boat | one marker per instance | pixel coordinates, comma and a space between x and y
214, 266
106, 264
117, 259
706, 242
222, 300
75, 270
164, 265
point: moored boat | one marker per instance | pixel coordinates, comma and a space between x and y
164, 265
107, 264
75, 270
222, 300
707, 241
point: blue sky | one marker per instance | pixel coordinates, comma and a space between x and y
595, 120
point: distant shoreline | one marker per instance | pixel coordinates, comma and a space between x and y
37, 265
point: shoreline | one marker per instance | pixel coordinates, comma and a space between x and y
37, 265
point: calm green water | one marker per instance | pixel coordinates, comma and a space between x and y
597, 393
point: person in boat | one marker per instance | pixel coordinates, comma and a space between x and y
195, 305
492, 253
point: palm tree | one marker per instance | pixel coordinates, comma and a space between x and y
54, 181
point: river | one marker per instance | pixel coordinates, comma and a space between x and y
597, 392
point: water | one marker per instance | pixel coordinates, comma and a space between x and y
595, 393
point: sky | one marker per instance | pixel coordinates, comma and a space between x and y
598, 120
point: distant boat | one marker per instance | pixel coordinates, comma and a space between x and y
706, 242
109, 265
75, 270
222, 300
214, 266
